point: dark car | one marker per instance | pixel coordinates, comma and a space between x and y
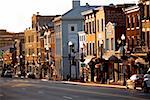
31, 75
8, 73
146, 83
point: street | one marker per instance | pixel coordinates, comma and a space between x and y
29, 89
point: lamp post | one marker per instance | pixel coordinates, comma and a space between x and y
27, 62
47, 61
101, 42
21, 65
123, 56
39, 62
123, 44
70, 44
33, 63
82, 64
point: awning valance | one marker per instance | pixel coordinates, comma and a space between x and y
88, 59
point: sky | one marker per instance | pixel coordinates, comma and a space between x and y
15, 15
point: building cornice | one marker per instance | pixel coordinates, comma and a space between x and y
132, 9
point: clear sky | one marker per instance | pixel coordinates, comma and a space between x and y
15, 15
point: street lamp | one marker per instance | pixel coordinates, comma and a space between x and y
101, 42
123, 43
123, 56
47, 61
21, 69
27, 61
82, 63
70, 44
33, 55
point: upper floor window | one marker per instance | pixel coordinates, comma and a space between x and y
29, 39
102, 23
86, 28
37, 38
87, 46
137, 20
90, 48
132, 22
93, 48
90, 28
148, 10
72, 28
32, 38
128, 22
93, 26
97, 25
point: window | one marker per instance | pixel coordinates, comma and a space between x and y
112, 44
132, 22
145, 11
143, 36
102, 24
128, 22
148, 34
148, 15
90, 28
93, 26
137, 21
72, 28
86, 28
107, 44
87, 48
97, 25
29, 39
32, 38
37, 39
98, 44
93, 48
90, 49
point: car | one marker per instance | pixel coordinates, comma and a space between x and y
135, 81
30, 75
146, 83
8, 73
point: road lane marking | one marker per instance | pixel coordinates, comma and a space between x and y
21, 85
66, 97
97, 93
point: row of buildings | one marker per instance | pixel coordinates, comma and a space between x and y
89, 42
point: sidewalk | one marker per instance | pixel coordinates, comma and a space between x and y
94, 84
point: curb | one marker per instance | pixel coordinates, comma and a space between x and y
94, 84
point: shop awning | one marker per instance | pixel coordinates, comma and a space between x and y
113, 58
139, 54
140, 60
88, 59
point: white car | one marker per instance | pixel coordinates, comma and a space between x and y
135, 81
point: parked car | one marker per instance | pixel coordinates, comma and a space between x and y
146, 83
135, 80
30, 75
8, 73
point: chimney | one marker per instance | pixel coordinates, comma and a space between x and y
75, 3
37, 13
